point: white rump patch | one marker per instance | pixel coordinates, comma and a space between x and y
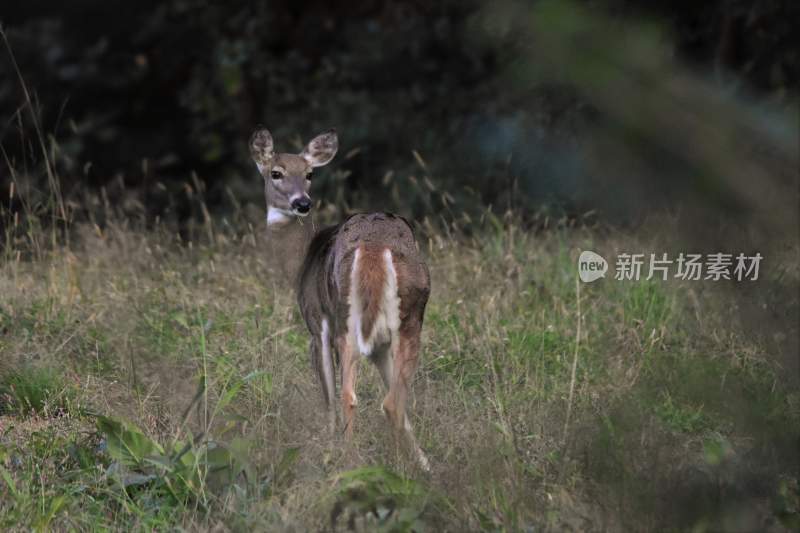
388, 320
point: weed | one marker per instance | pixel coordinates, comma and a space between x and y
377, 499
685, 419
36, 390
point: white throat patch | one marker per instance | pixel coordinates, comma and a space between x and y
276, 215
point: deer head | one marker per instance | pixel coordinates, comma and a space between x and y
287, 177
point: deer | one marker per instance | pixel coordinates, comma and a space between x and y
362, 285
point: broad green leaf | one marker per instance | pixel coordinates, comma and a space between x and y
9, 482
125, 442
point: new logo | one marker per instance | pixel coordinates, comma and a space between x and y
591, 266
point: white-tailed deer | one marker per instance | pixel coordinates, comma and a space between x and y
362, 285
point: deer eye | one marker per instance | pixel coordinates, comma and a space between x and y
308, 176
276, 175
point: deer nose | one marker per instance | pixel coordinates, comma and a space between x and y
302, 204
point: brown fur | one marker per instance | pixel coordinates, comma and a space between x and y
323, 294
371, 277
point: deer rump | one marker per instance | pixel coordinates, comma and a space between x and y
374, 304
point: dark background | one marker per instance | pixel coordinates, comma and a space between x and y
578, 108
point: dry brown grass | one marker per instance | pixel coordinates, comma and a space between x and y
677, 414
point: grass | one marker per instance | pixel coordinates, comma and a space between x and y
32, 390
153, 383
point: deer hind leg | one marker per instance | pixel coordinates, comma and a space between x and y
326, 372
349, 361
397, 370
383, 360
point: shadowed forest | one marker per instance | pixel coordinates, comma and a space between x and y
153, 375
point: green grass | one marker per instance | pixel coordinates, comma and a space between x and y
148, 384
31, 390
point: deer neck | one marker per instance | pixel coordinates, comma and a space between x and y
287, 241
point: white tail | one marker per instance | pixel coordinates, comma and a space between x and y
386, 321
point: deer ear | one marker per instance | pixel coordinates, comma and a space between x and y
321, 149
261, 148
